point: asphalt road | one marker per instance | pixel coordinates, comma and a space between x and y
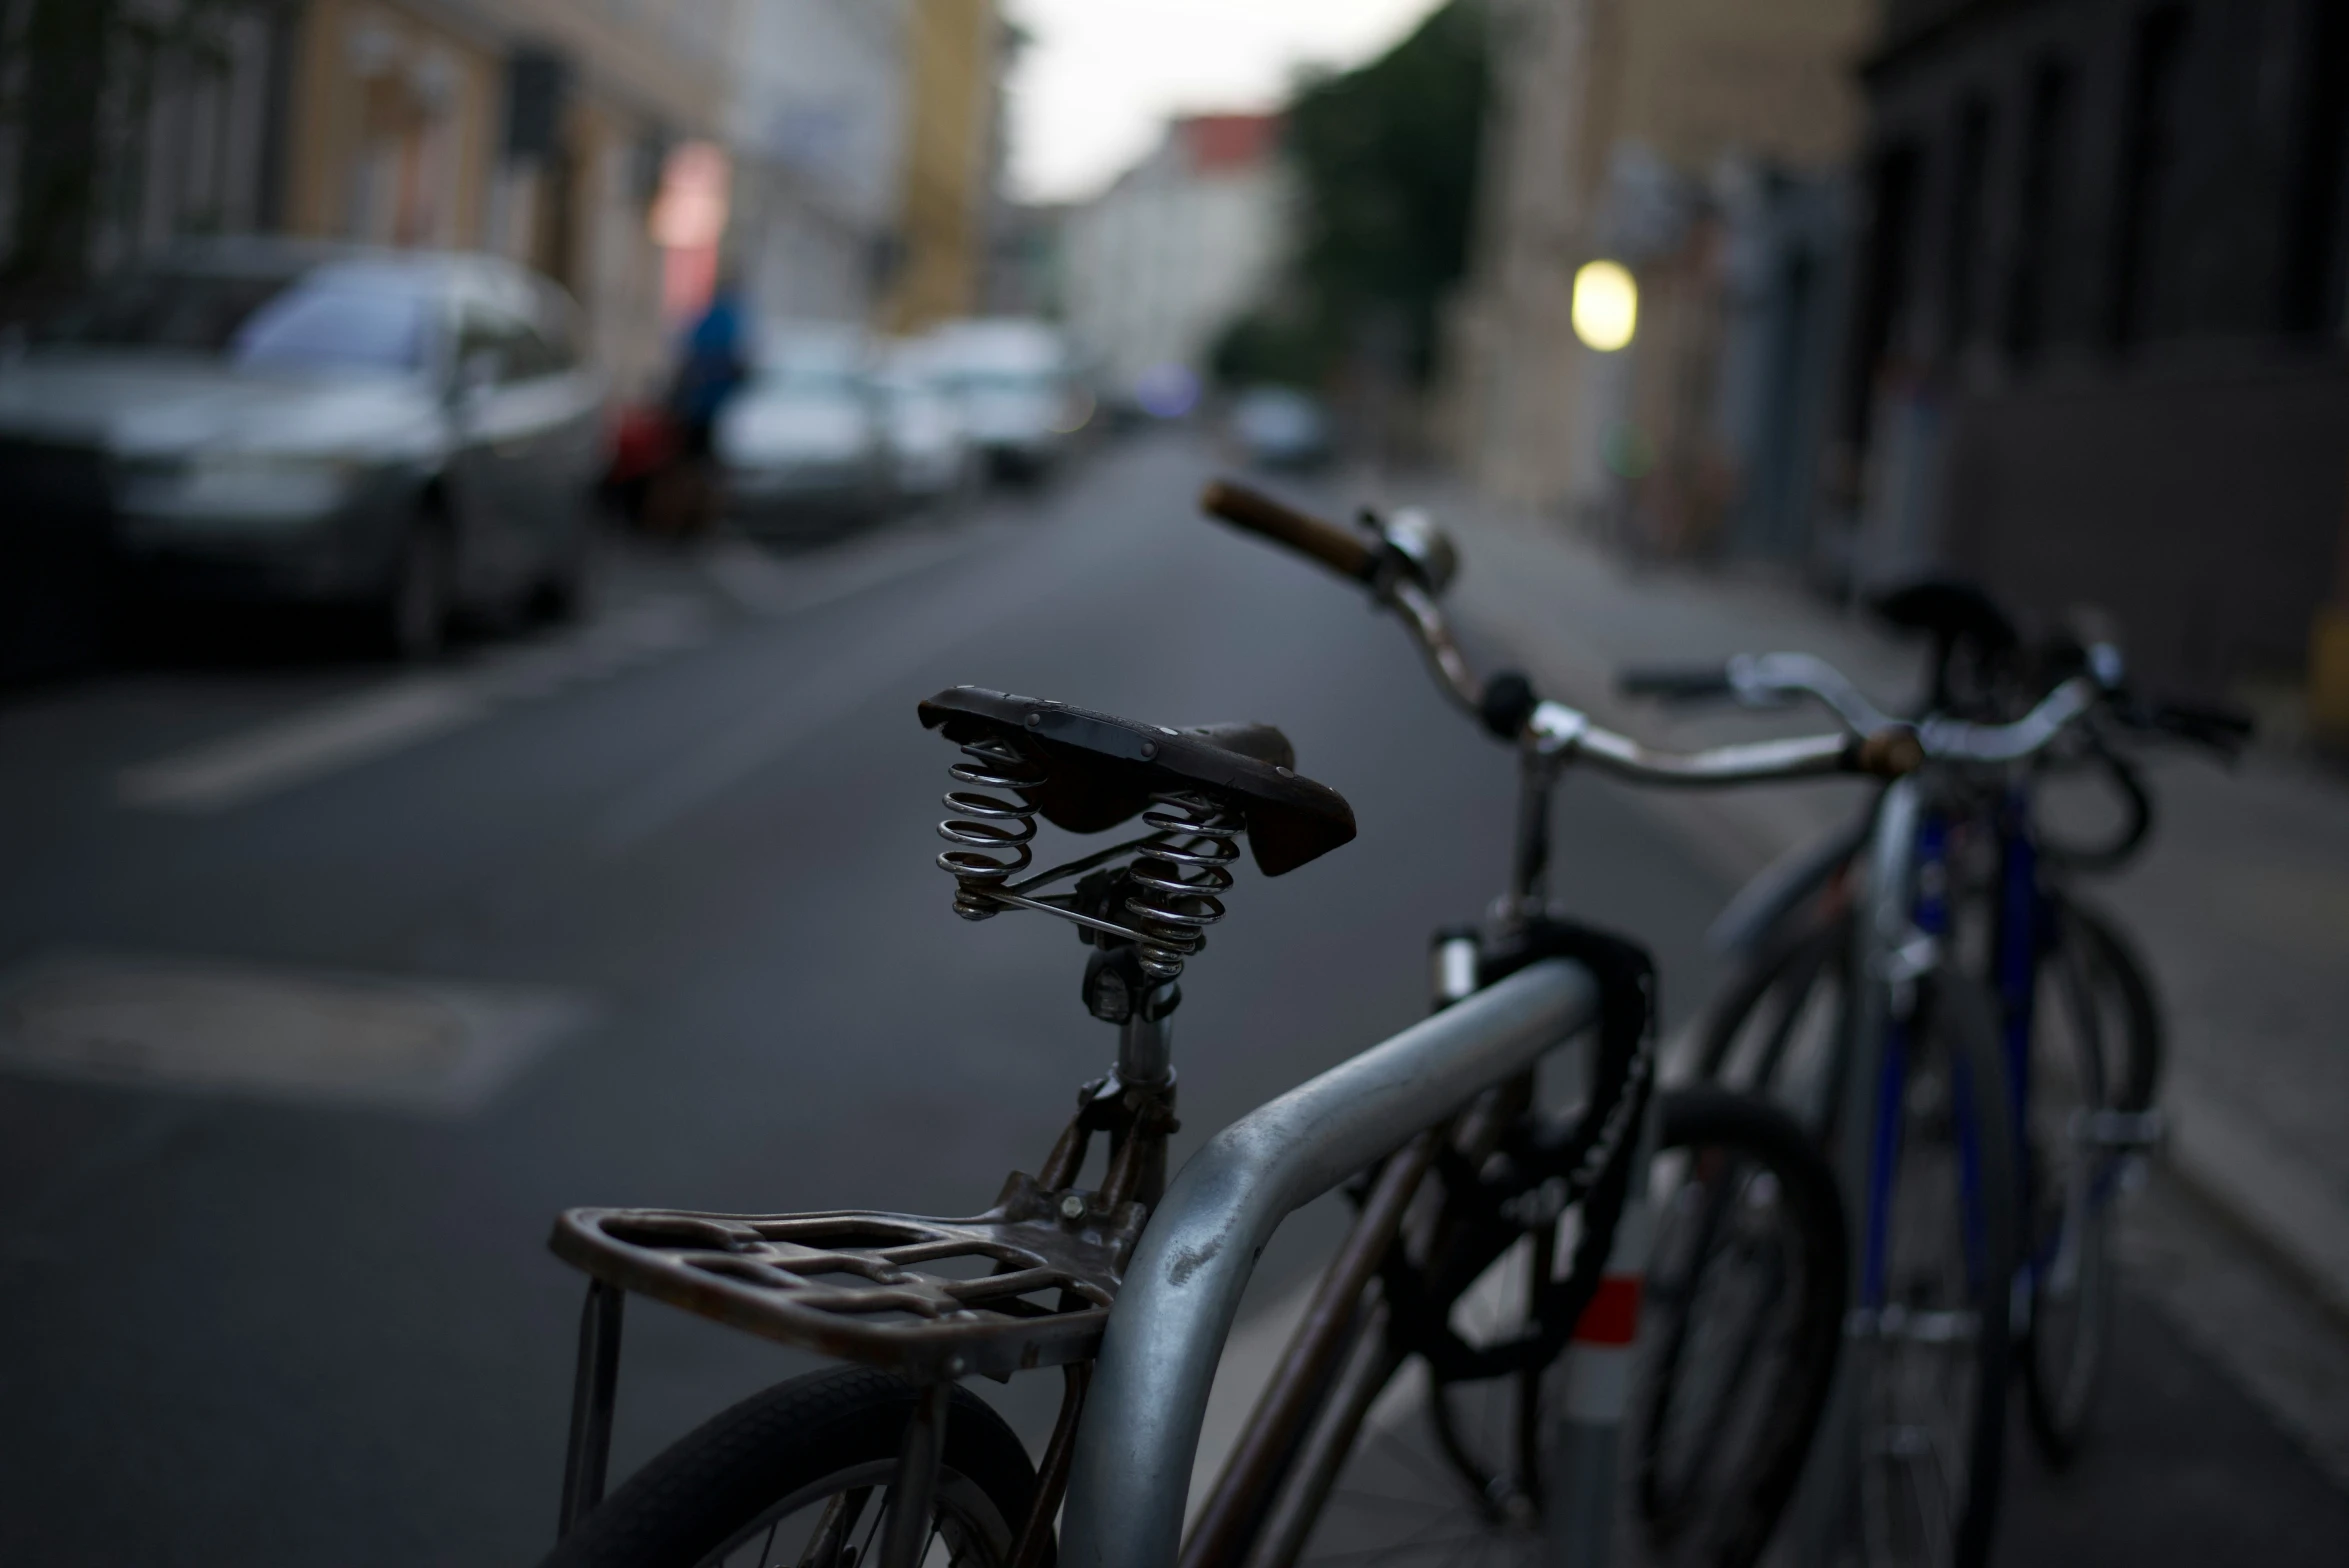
675, 868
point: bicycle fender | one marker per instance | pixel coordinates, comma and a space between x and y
1785, 883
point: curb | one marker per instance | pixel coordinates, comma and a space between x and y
2289, 1220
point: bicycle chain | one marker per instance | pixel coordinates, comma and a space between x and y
1534, 1180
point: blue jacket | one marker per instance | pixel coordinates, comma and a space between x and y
713, 363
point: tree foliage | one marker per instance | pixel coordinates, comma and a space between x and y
1386, 158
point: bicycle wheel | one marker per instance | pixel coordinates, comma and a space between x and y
1744, 1319
1775, 1027
2096, 1047
800, 1474
1931, 1366
1453, 1473
2124, 986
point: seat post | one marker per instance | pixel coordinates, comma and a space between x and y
1145, 1040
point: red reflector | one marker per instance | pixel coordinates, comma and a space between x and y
1613, 1317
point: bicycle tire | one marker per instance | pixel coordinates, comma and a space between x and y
1442, 1466
1950, 1025
1777, 988
2074, 1291
2061, 1370
762, 1463
1733, 1142
1804, 949
2147, 1031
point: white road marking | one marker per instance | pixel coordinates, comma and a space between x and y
749, 576
224, 773
760, 584
852, 676
174, 1023
372, 723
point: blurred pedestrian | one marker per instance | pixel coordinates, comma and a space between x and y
712, 363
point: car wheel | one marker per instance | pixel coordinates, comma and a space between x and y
411, 621
561, 594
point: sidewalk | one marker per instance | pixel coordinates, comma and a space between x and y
2241, 904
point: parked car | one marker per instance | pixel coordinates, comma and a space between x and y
1281, 428
802, 443
1015, 385
930, 451
250, 421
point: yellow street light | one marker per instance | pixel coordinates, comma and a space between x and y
1606, 305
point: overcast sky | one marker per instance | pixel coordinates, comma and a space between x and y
1103, 74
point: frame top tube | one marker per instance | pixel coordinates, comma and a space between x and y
1140, 1433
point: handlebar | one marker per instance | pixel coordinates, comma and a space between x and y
1344, 552
1558, 730
1773, 679
1962, 740
1762, 680
2223, 730
1407, 563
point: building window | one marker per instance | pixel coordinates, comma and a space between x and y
2149, 159
1884, 282
2318, 237
1965, 221
2047, 154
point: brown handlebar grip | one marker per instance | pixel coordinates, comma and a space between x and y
1343, 551
1890, 753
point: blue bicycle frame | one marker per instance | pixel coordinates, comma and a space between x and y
1902, 922
2020, 937
1930, 916
2026, 924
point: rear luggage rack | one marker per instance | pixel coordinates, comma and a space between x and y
1027, 1284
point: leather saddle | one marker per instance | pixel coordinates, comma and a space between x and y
1101, 770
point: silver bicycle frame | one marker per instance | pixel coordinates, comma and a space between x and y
1140, 1432
1881, 926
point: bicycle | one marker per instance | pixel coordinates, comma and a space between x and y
1974, 855
1462, 1168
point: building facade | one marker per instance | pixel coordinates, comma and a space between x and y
952, 166
123, 125
1702, 144
818, 125
2099, 352
533, 128
536, 129
1184, 243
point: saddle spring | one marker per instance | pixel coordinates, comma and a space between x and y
992, 833
1183, 866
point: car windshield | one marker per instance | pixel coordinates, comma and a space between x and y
321, 320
